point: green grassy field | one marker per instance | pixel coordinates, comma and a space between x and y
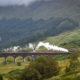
5, 68
63, 61
64, 37
66, 76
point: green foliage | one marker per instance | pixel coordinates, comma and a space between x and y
28, 30
41, 68
68, 78
73, 43
14, 72
78, 78
67, 69
30, 74
52, 68
29, 58
8, 62
13, 77
42, 18
41, 59
65, 25
74, 64
1, 77
19, 63
74, 57
25, 50
61, 57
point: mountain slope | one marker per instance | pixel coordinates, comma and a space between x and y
64, 37
20, 25
27, 30
44, 9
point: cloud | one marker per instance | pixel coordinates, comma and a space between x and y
21, 2
16, 2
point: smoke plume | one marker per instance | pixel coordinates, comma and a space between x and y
31, 46
50, 47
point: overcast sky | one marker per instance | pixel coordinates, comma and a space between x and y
19, 2
16, 2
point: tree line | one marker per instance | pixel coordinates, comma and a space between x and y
17, 31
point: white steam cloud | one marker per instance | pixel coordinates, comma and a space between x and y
50, 47
15, 48
35, 48
12, 49
31, 46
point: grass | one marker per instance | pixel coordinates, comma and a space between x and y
5, 68
63, 61
64, 37
5, 79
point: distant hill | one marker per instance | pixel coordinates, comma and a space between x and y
21, 32
44, 9
20, 25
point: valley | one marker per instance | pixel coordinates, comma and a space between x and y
43, 26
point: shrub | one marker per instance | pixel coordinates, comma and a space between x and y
30, 74
1, 78
29, 58
78, 78
13, 72
40, 69
19, 63
67, 69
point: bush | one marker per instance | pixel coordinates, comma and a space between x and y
78, 78
29, 58
1, 78
19, 63
30, 74
67, 69
13, 72
40, 69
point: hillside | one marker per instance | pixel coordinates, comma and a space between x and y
69, 39
21, 32
44, 9
64, 37
20, 25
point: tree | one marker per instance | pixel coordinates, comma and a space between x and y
41, 59
41, 68
30, 74
74, 62
52, 68
19, 63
